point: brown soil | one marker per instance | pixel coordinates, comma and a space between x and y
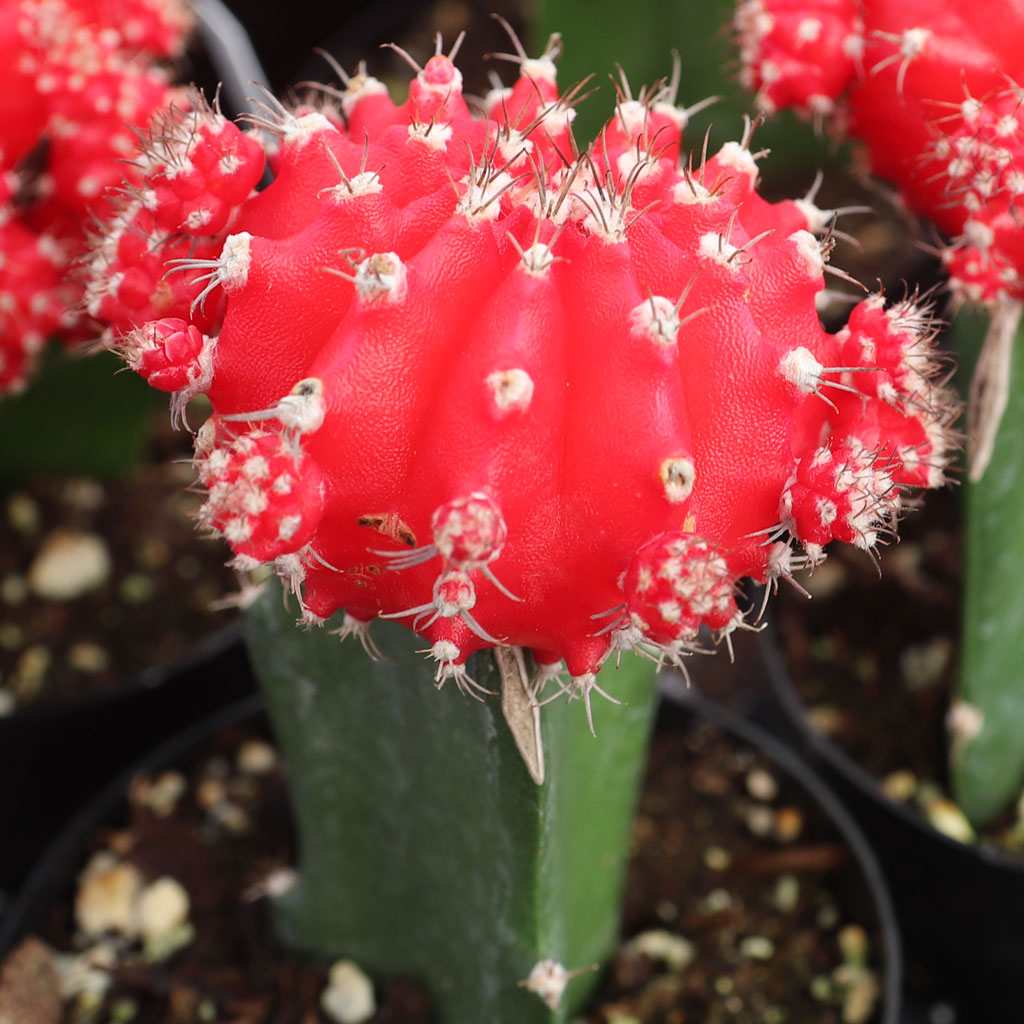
729, 858
158, 599
874, 657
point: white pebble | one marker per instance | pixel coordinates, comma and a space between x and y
674, 951
162, 907
256, 758
348, 997
107, 893
69, 563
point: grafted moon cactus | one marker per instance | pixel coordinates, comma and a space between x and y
469, 378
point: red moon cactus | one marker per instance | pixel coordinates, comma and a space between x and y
466, 377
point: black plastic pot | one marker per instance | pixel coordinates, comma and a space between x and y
54, 870
960, 906
53, 876
55, 757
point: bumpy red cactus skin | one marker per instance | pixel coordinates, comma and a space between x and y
465, 379
931, 89
75, 75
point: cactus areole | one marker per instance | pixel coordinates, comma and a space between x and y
469, 378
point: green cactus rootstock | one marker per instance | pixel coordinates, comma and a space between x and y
426, 850
987, 719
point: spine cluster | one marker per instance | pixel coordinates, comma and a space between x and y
469, 377
74, 76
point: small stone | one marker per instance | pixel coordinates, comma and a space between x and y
829, 721
669, 948
30, 985
69, 564
123, 1011
159, 795
107, 893
277, 883
348, 997
152, 553
900, 785
136, 588
946, 817
827, 916
757, 947
859, 991
761, 785
211, 792
30, 672
786, 893
789, 824
13, 589
853, 944
83, 494
760, 819
923, 665
12, 636
162, 907
716, 858
86, 656
85, 977
716, 901
255, 757
666, 910
22, 513
230, 816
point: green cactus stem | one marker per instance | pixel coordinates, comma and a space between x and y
987, 719
426, 850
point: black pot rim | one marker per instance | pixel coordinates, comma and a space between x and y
149, 678
675, 689
57, 865
855, 775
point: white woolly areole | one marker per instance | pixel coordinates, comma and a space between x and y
677, 477
444, 651
539, 69
547, 980
978, 234
739, 158
802, 370
481, 199
656, 319
817, 218
366, 183
537, 259
690, 191
713, 246
234, 261
303, 408
809, 249
632, 115
913, 42
381, 277
359, 88
431, 134
808, 30
511, 390
297, 131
